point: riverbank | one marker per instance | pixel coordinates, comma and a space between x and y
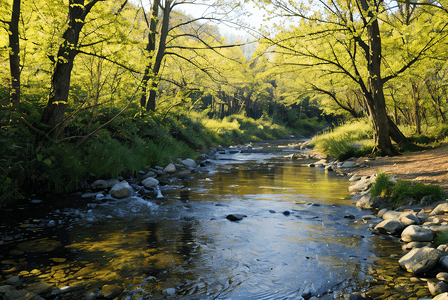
410, 223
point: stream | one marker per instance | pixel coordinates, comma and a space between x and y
301, 236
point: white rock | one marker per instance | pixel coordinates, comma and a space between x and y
189, 163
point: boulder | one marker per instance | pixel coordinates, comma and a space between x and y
409, 218
364, 202
442, 276
415, 233
150, 182
189, 163
440, 209
414, 245
390, 226
104, 184
391, 214
420, 260
347, 164
121, 190
171, 168
437, 287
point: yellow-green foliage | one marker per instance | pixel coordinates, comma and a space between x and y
342, 139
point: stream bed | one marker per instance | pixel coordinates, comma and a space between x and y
301, 237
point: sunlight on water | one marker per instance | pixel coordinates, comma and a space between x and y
181, 245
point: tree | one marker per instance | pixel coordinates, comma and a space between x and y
53, 114
12, 27
350, 33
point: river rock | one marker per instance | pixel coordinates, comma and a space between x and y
5, 288
391, 215
414, 245
409, 218
235, 217
121, 190
420, 260
171, 168
437, 287
442, 276
104, 184
440, 209
443, 296
189, 163
415, 233
150, 182
364, 202
380, 202
149, 174
347, 164
14, 280
360, 185
390, 226
354, 178
20, 295
111, 291
39, 287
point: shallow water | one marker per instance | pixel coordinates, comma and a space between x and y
295, 241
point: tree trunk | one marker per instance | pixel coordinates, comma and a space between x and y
417, 113
151, 105
14, 56
150, 48
53, 114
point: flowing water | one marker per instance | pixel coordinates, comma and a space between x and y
301, 237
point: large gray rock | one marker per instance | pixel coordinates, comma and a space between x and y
150, 182
420, 260
104, 184
360, 185
121, 190
390, 226
440, 209
149, 174
409, 218
391, 214
189, 163
415, 233
171, 168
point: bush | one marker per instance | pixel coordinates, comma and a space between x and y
397, 191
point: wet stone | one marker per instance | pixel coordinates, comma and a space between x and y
111, 291
19, 295
235, 217
14, 280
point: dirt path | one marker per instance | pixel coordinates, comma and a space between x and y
428, 166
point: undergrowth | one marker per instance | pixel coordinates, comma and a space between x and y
399, 190
348, 140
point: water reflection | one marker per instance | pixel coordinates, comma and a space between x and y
182, 246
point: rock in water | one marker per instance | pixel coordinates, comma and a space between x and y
420, 260
121, 190
150, 182
235, 217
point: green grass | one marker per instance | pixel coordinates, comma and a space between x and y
397, 191
350, 139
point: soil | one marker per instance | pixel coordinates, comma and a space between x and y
428, 166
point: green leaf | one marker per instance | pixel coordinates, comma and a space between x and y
47, 161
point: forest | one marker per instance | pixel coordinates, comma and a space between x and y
92, 89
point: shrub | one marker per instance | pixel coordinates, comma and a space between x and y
397, 191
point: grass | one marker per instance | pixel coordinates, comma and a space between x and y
350, 139
400, 190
